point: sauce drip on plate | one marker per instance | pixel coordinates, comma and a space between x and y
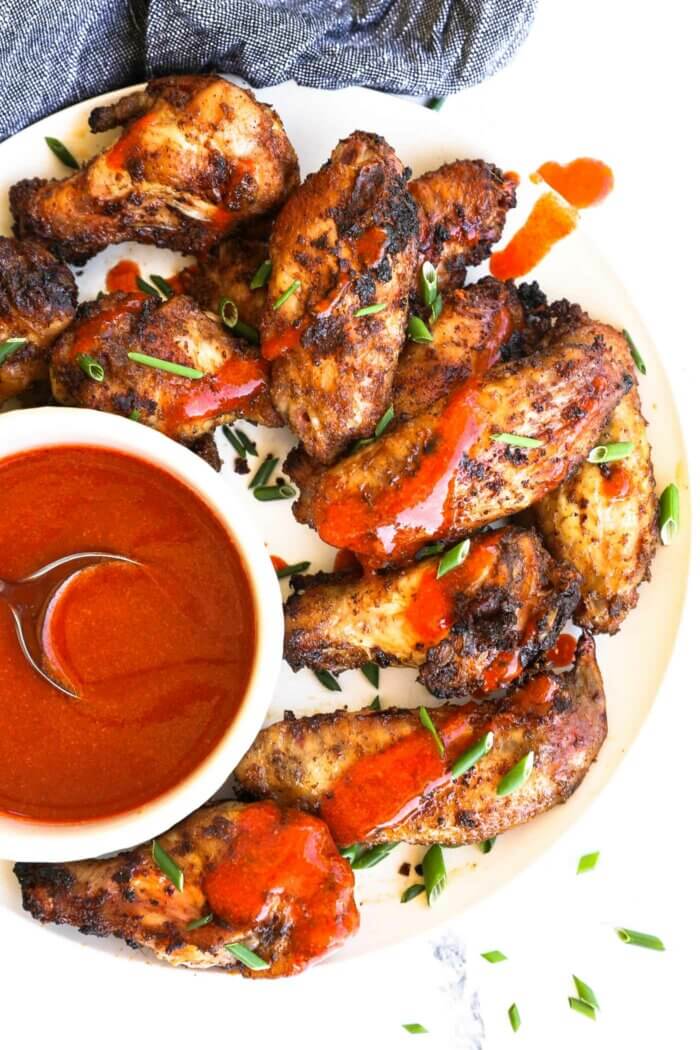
122, 277
583, 182
549, 221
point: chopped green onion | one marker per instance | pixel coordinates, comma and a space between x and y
267, 493
428, 283
585, 992
247, 332
610, 453
487, 845
516, 777
517, 439
436, 308
196, 923
248, 445
294, 287
375, 705
514, 1016
371, 673
434, 873
261, 275
415, 1029
669, 513
9, 347
228, 312
436, 103
144, 286
412, 891
168, 866
92, 368
494, 956
582, 1007
472, 755
418, 330
165, 366
427, 723
636, 356
587, 862
233, 437
429, 550
367, 311
165, 289
641, 940
290, 570
247, 957
262, 474
62, 152
135, 415
384, 422
370, 857
351, 853
326, 679
453, 558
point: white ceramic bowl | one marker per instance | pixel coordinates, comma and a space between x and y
50, 427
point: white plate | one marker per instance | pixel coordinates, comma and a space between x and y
633, 663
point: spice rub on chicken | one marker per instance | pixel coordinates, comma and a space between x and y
197, 157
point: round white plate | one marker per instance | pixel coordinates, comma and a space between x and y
633, 663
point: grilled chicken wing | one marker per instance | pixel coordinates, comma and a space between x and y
197, 156
603, 519
344, 241
472, 630
38, 297
234, 384
377, 776
270, 878
226, 273
442, 474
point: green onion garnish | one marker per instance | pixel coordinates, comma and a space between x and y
494, 956
427, 723
375, 705
434, 873
262, 474
326, 679
429, 550
135, 415
516, 777
247, 332
294, 287
472, 755
517, 439
453, 558
351, 853
367, 311
9, 347
248, 445
436, 308
669, 513
418, 330
641, 940
487, 845
415, 1029
165, 366
582, 1007
261, 275
428, 283
636, 356
585, 992
165, 289
371, 673
247, 957
147, 288
436, 103
587, 862
514, 1016
290, 570
168, 866
369, 857
228, 312
610, 453
92, 368
412, 891
384, 422
267, 493
196, 923
233, 438
62, 152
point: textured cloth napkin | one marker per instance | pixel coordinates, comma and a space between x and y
56, 52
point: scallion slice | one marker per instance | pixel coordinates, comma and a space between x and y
415, 1028
427, 723
371, 673
135, 415
636, 356
290, 570
261, 275
165, 289
418, 330
411, 892
267, 493
472, 755
247, 332
247, 957
517, 439
434, 873
384, 422
62, 152
610, 453
248, 445
587, 862
367, 311
293, 288
514, 1016
168, 866
428, 283
326, 679
8, 347
92, 368
228, 312
196, 923
436, 103
369, 857
351, 853
262, 474
487, 845
436, 308
516, 777
165, 366
233, 438
494, 956
582, 1007
585, 992
429, 550
453, 558
640, 940
375, 705
669, 514
147, 288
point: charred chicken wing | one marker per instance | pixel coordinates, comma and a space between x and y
197, 156
226, 273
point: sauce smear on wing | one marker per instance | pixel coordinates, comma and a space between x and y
237, 381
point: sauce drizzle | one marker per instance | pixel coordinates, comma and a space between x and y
549, 221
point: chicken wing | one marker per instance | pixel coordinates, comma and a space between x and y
377, 776
472, 630
453, 468
261, 876
38, 298
344, 242
603, 519
233, 384
197, 156
226, 273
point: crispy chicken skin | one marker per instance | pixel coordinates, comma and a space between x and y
234, 385
603, 519
226, 273
197, 157
38, 298
313, 761
462, 208
287, 921
348, 235
472, 630
441, 474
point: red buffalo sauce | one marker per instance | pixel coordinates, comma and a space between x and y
237, 381
615, 483
119, 154
345, 561
563, 651
278, 563
122, 277
549, 221
369, 247
583, 182
160, 653
93, 329
284, 863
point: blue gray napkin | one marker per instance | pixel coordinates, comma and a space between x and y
56, 52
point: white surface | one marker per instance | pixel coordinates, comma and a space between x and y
581, 85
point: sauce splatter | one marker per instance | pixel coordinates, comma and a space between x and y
122, 277
548, 222
616, 482
276, 345
278, 563
119, 154
237, 381
369, 247
583, 182
563, 651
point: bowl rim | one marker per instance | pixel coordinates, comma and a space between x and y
52, 426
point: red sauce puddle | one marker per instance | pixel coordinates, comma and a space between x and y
583, 182
563, 651
122, 277
548, 222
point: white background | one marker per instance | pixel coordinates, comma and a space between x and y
613, 79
